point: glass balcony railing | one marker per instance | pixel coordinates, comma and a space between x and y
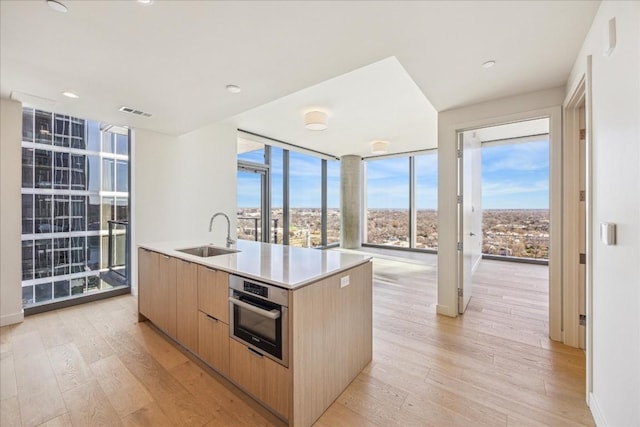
118, 255
249, 228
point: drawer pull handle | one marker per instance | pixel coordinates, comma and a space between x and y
255, 353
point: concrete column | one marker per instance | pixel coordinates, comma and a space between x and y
350, 201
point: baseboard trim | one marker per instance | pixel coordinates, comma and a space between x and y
10, 319
596, 412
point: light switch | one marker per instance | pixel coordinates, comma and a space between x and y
344, 281
608, 233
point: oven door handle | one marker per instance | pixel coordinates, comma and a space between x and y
273, 314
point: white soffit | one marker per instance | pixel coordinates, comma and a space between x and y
376, 102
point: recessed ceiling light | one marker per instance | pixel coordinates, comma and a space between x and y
488, 64
57, 6
233, 89
145, 1
70, 95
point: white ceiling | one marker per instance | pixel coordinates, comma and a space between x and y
174, 58
375, 102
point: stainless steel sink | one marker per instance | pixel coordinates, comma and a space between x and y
207, 251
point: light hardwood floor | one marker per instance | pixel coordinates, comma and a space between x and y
96, 365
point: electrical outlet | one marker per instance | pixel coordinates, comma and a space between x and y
344, 281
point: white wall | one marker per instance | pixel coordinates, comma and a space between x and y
10, 212
180, 182
615, 398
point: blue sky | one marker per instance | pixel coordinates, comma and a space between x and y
304, 178
514, 176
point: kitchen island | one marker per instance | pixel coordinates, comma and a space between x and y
325, 321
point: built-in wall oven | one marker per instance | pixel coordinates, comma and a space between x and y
258, 317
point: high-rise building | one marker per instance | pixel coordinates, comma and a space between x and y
75, 178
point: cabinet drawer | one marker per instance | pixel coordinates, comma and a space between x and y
213, 342
265, 379
213, 293
277, 386
246, 368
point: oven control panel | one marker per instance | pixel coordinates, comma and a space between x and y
255, 289
262, 290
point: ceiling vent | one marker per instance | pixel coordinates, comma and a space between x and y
133, 111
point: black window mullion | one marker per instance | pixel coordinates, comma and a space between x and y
285, 197
323, 238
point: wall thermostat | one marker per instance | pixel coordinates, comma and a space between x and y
608, 233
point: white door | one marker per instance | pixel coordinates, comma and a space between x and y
582, 268
469, 214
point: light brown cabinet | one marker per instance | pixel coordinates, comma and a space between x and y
186, 303
166, 295
157, 289
213, 293
147, 277
260, 376
189, 302
277, 386
213, 342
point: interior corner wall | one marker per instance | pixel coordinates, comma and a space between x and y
179, 183
503, 110
10, 212
615, 197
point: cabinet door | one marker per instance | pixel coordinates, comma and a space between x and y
277, 386
147, 277
246, 368
165, 295
213, 342
187, 305
213, 293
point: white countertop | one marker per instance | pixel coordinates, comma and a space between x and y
289, 267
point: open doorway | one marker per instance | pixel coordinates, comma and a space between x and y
503, 210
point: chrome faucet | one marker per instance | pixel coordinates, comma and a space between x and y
230, 241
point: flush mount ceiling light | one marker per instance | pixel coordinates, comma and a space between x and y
379, 147
233, 89
57, 6
70, 95
145, 1
315, 120
488, 64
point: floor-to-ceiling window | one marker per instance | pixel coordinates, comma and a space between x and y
426, 200
387, 210
333, 202
75, 179
401, 201
293, 194
515, 197
305, 200
277, 194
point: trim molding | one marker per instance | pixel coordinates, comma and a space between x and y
10, 319
598, 416
446, 310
